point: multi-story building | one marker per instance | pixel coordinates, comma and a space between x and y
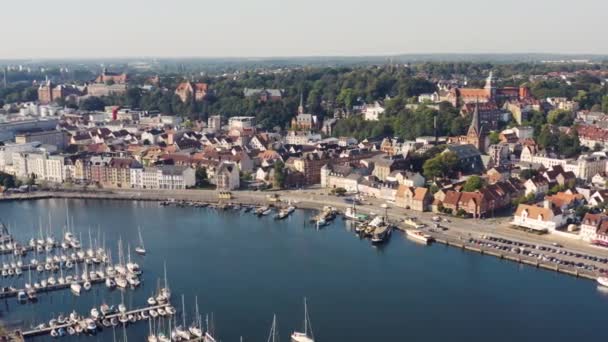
110, 77
50, 137
594, 229
9, 129
165, 177
48, 92
214, 123
585, 167
227, 176
99, 169
119, 171
195, 91
241, 122
39, 165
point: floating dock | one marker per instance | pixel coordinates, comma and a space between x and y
47, 330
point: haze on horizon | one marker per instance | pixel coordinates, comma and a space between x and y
281, 28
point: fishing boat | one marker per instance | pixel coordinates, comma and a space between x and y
351, 214
141, 249
381, 234
306, 335
418, 236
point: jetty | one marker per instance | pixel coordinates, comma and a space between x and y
46, 330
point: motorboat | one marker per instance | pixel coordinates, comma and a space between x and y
95, 313
90, 324
76, 288
418, 236
603, 281
110, 283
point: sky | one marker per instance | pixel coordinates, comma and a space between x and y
277, 28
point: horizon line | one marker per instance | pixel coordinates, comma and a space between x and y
347, 56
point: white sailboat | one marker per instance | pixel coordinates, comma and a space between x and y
304, 336
141, 249
274, 334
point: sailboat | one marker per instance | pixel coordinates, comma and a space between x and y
303, 336
274, 334
195, 328
208, 334
141, 249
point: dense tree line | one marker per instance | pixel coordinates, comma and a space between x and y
398, 121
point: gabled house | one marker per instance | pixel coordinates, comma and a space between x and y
414, 198
545, 218
594, 229
537, 186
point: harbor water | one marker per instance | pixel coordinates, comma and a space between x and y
244, 269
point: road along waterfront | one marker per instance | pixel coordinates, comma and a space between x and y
245, 268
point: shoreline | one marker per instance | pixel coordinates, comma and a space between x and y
451, 239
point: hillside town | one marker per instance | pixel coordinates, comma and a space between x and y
542, 162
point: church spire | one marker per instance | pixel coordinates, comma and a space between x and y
475, 129
301, 107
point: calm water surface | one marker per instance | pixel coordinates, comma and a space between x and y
243, 269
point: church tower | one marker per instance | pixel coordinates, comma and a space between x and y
489, 87
476, 135
301, 106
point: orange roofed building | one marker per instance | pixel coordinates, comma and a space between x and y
197, 91
111, 77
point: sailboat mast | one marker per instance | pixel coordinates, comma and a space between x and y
305, 317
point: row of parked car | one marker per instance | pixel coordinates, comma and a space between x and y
540, 252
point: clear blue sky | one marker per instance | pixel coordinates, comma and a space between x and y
251, 28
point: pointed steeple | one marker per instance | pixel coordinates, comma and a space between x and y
301, 107
475, 129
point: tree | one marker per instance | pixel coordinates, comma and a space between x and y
494, 137
201, 177
473, 183
605, 104
560, 117
546, 138
442, 165
7, 180
92, 103
279, 175
528, 174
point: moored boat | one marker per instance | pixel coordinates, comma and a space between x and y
418, 236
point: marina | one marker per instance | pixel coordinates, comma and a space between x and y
235, 248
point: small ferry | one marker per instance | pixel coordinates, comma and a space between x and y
603, 281
351, 214
418, 236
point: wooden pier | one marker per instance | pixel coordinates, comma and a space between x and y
47, 330
51, 288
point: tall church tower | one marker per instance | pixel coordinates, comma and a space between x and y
301, 106
489, 87
476, 136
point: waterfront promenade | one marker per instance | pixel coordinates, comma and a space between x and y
315, 198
